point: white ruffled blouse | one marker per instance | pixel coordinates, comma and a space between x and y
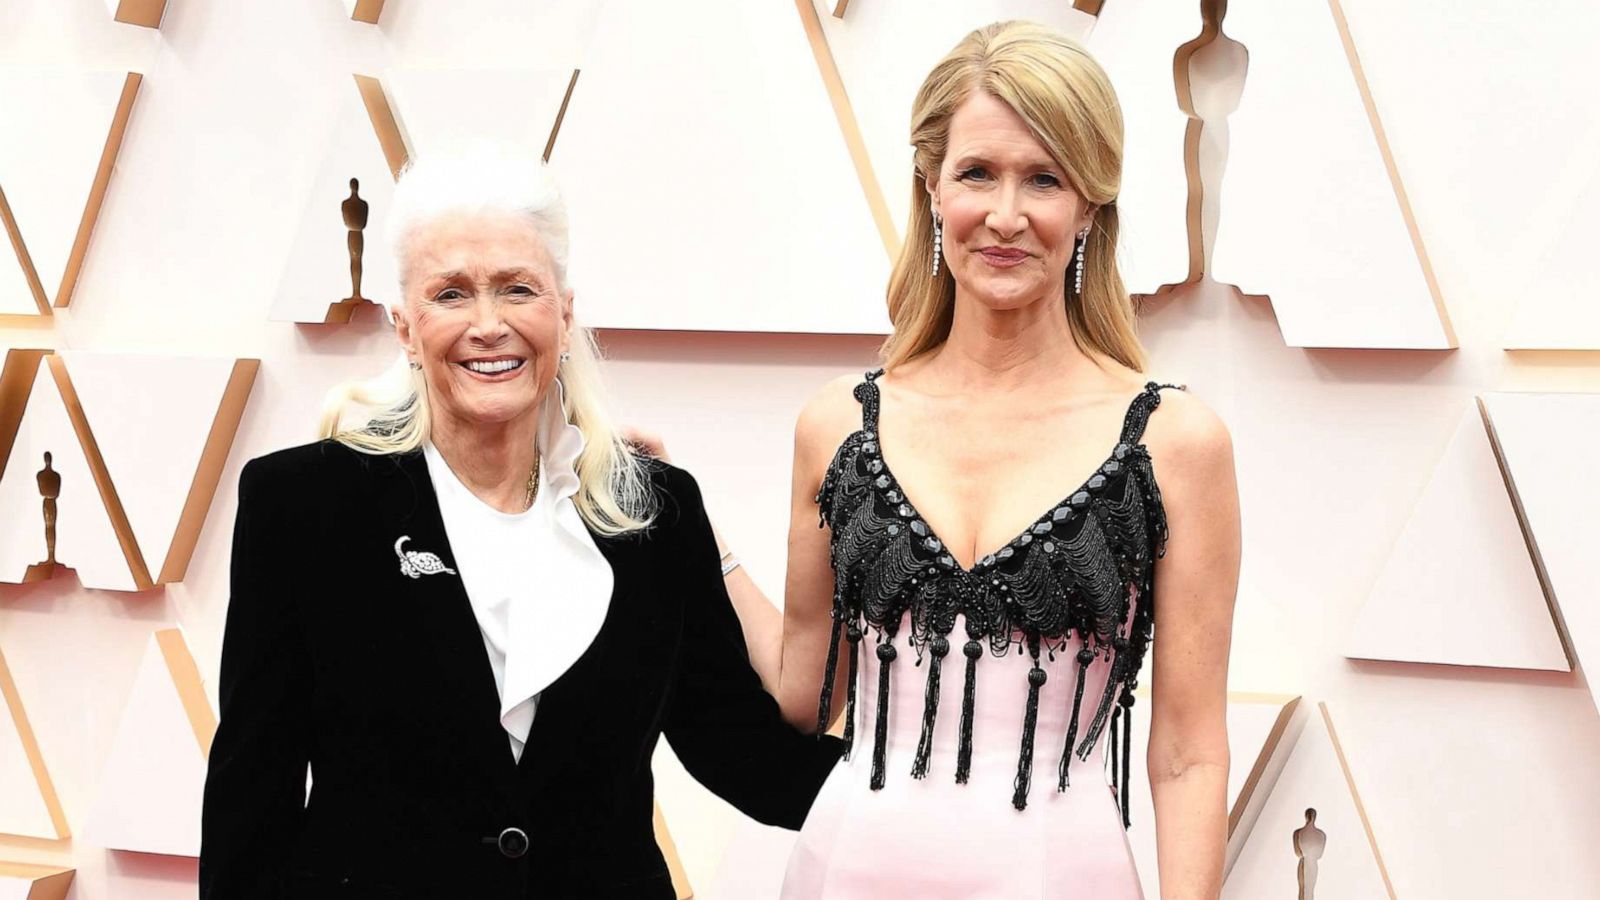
538, 585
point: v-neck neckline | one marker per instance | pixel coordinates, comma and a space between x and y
872, 433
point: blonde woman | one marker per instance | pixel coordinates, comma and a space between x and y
474, 611
995, 556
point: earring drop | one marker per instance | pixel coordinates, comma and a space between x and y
1077, 280
415, 366
938, 243
566, 357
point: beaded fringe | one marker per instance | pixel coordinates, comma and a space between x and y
1030, 721
938, 647
973, 650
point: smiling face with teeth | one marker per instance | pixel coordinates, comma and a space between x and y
486, 317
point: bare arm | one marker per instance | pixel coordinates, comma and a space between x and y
1196, 583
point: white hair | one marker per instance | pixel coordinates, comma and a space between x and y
389, 413
478, 177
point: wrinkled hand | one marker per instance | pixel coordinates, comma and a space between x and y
648, 442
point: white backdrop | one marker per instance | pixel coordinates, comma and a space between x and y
1479, 782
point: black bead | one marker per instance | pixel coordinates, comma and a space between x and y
1025, 540
887, 652
1061, 514
1085, 656
1126, 699
1037, 676
973, 649
1112, 467
853, 632
1006, 553
1042, 528
1122, 451
1096, 482
940, 646
1080, 499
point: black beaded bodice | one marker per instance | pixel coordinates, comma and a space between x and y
1085, 568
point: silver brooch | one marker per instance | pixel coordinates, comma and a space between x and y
417, 563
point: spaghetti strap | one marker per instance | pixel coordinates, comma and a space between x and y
1140, 409
867, 395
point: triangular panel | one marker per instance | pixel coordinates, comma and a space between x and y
1317, 776
1459, 588
150, 790
438, 108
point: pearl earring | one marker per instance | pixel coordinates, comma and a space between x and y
938, 243
1077, 281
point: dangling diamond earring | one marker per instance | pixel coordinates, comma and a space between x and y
938, 243
566, 357
1077, 280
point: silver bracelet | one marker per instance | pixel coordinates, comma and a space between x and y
729, 563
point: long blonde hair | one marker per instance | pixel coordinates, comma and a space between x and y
389, 413
1053, 83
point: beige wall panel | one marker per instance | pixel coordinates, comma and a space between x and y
61, 133
1547, 442
1317, 776
150, 789
1460, 588
765, 148
24, 881
1313, 214
31, 808
316, 279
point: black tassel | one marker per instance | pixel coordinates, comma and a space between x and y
853, 633
886, 655
1085, 657
939, 646
1036, 680
1107, 699
973, 650
1116, 776
1127, 753
825, 702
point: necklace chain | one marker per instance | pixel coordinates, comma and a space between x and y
533, 484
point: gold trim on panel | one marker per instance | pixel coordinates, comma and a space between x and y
367, 11
141, 12
1269, 748
17, 375
1528, 537
97, 193
185, 675
669, 850
102, 476
1355, 795
1382, 138
561, 115
207, 474
24, 259
48, 882
381, 114
1092, 7
30, 748
839, 7
848, 127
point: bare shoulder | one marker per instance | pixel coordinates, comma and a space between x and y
1187, 438
829, 416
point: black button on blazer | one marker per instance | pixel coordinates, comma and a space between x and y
379, 681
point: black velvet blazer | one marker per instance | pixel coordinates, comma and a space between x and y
333, 657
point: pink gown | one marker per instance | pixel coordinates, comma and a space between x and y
931, 837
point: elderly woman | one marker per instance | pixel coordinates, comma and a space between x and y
474, 612
981, 601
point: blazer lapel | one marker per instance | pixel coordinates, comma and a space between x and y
436, 600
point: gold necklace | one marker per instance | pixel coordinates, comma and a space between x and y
533, 484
